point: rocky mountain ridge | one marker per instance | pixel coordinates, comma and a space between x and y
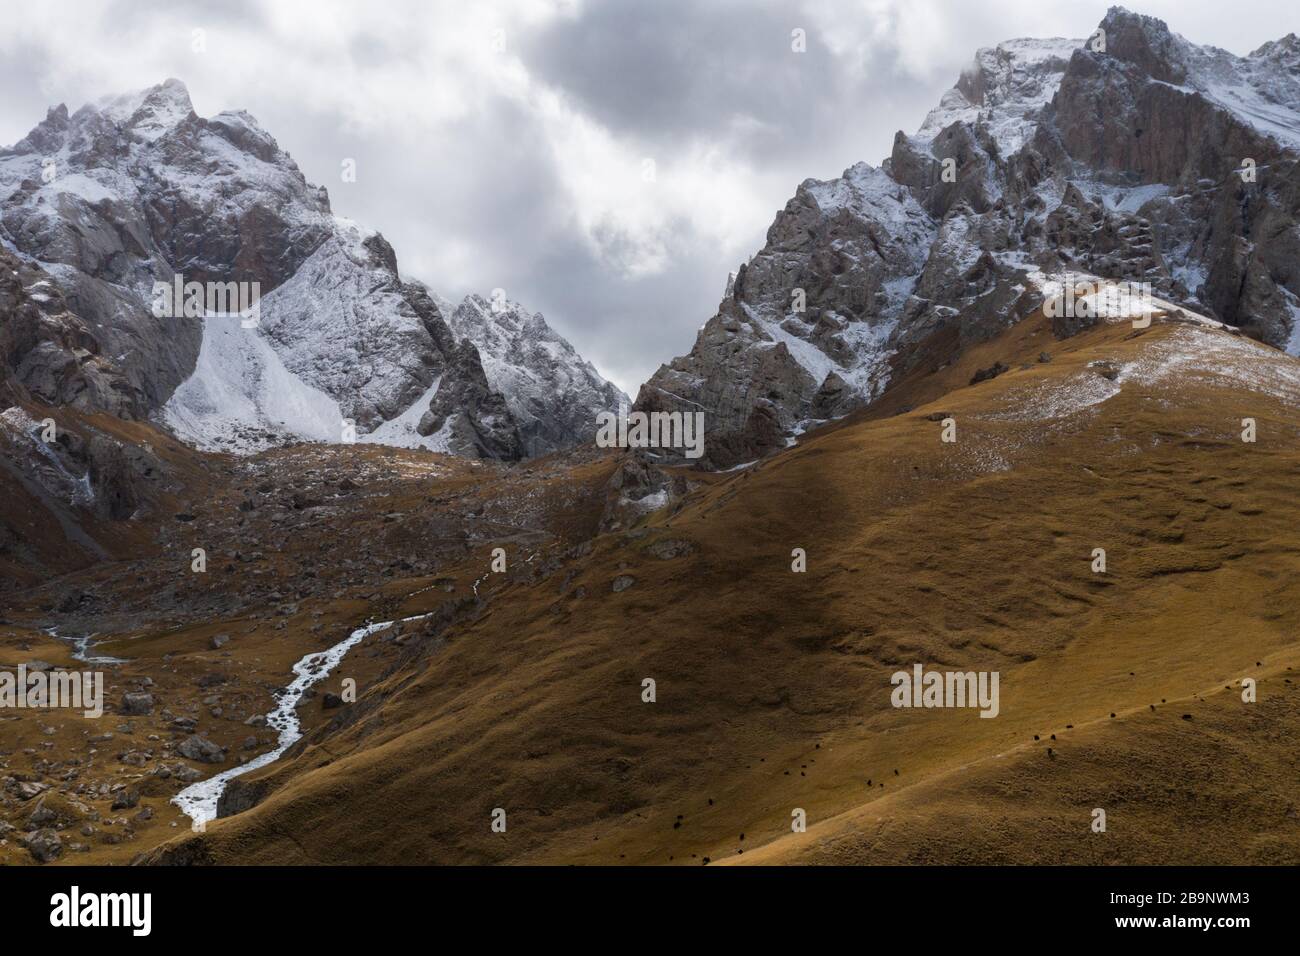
1130, 155
550, 390
101, 204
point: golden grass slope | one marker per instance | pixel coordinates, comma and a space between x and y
773, 687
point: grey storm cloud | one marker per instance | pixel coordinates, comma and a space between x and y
520, 171
679, 70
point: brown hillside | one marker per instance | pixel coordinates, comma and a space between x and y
773, 687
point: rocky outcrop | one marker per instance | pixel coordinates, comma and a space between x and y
137, 704
471, 418
48, 354
638, 487
241, 794
45, 846
1216, 138
804, 325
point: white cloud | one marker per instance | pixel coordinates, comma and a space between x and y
484, 169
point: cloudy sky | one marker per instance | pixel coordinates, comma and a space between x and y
605, 163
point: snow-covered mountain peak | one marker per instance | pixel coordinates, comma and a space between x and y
1285, 51
137, 189
1261, 89
151, 112
1123, 155
1004, 88
551, 390
859, 188
499, 316
870, 194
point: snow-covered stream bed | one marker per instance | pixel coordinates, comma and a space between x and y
199, 801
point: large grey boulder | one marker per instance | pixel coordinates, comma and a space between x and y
45, 846
200, 749
137, 704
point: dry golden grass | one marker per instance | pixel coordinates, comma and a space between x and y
773, 687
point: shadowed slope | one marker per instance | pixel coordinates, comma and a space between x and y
773, 687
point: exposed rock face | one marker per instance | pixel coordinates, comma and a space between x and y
114, 470
1047, 156
802, 331
78, 468
344, 324
47, 353
552, 393
240, 795
137, 190
1168, 125
468, 417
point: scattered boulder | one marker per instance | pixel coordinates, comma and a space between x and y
668, 548
1107, 370
993, 371
28, 789
44, 845
47, 812
300, 502
137, 704
623, 582
201, 749
72, 601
